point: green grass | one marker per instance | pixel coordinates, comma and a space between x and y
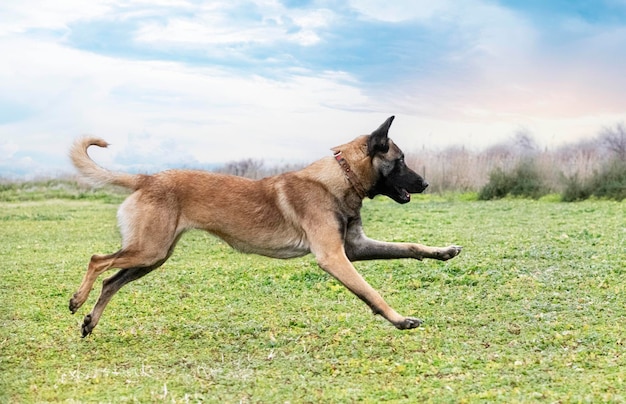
533, 310
60, 188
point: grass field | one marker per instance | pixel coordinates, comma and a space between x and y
533, 310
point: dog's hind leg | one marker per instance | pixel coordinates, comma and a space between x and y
97, 266
124, 258
149, 232
134, 265
109, 287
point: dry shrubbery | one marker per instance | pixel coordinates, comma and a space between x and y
255, 169
520, 168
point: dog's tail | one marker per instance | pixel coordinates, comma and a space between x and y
95, 173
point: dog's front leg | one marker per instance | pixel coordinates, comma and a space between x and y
337, 264
368, 249
359, 248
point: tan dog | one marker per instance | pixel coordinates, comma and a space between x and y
315, 210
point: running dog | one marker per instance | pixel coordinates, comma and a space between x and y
314, 210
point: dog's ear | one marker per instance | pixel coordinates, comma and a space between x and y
378, 142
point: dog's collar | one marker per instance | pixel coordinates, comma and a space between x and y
350, 175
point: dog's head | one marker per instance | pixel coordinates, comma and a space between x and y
393, 177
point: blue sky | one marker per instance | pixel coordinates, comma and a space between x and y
190, 83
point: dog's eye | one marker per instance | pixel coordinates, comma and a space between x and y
399, 164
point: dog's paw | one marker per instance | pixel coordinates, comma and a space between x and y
450, 252
74, 304
408, 323
87, 326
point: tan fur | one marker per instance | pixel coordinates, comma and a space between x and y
314, 210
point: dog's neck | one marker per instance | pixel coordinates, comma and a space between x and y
350, 175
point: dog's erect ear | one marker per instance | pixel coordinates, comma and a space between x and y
378, 141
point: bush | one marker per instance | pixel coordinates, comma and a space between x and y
610, 182
498, 186
524, 181
575, 189
527, 181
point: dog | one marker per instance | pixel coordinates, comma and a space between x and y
314, 210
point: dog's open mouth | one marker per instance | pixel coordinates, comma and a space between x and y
403, 195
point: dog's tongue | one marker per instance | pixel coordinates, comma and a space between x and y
406, 194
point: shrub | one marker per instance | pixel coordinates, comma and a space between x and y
524, 181
610, 182
575, 189
498, 186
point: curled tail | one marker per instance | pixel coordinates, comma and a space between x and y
95, 173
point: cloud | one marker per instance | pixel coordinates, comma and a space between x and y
400, 10
497, 63
8, 150
145, 107
20, 17
186, 82
16, 163
256, 25
145, 153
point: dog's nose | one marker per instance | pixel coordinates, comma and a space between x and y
425, 184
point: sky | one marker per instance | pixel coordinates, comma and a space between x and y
189, 83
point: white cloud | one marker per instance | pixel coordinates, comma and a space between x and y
486, 71
214, 25
216, 115
20, 16
8, 150
194, 32
505, 70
